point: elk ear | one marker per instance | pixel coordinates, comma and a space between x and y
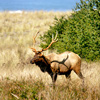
33, 49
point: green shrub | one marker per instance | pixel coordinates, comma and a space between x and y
79, 33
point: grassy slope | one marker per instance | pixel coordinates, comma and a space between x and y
19, 79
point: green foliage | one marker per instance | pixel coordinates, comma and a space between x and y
79, 33
59, 26
88, 4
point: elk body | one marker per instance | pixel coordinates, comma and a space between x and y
57, 64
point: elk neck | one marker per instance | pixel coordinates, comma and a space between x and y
44, 63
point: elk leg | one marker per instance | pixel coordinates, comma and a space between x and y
54, 78
68, 74
78, 72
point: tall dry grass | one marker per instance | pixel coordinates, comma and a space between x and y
21, 80
16, 36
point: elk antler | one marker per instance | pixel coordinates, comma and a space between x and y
33, 49
35, 37
53, 41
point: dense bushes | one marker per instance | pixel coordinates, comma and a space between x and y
80, 32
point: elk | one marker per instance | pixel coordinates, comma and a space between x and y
57, 64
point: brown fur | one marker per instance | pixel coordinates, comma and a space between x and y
61, 64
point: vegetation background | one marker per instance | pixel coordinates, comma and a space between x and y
80, 32
21, 80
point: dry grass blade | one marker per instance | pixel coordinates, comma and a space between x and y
15, 96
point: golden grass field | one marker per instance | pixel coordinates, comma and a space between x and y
21, 80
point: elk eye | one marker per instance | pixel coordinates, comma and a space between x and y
38, 52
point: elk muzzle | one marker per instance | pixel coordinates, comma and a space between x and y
35, 59
32, 62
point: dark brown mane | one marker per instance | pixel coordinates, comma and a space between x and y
44, 64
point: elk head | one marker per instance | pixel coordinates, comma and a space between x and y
38, 54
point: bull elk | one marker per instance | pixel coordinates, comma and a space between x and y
57, 64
